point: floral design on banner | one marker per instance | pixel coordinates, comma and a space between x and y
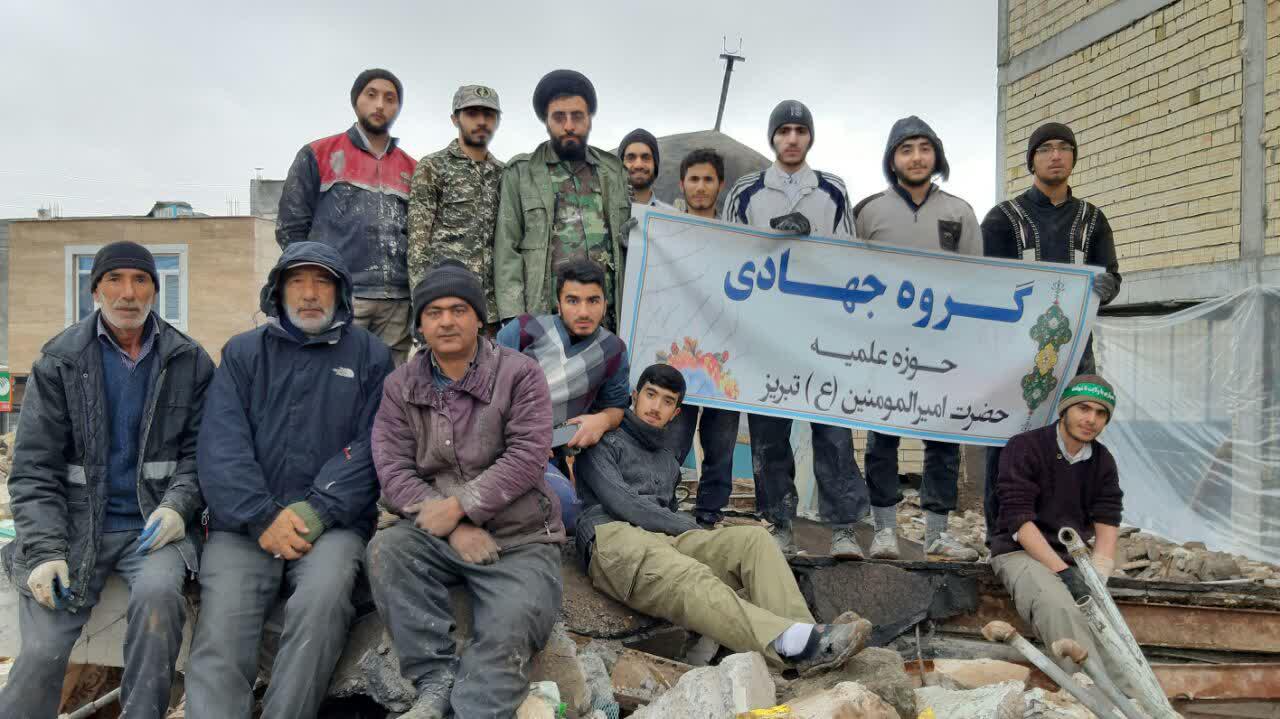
1051, 331
704, 372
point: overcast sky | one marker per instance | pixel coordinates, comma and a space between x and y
111, 106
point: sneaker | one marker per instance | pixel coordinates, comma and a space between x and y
783, 536
948, 548
844, 544
831, 645
885, 545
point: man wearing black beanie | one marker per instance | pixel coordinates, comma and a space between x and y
640, 155
564, 201
1049, 224
350, 191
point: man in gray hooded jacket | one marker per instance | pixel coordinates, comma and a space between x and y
914, 212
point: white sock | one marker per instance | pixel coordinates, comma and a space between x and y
793, 640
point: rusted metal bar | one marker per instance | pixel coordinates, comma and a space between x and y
1220, 681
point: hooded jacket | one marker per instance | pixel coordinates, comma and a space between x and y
58, 483
288, 418
337, 193
483, 439
758, 197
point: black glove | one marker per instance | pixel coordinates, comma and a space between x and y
1075, 583
1106, 286
794, 223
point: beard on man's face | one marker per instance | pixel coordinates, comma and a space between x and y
470, 140
570, 147
371, 128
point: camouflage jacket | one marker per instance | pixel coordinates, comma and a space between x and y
526, 217
453, 206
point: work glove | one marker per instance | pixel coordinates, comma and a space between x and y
1106, 286
1104, 566
163, 526
1075, 583
43, 580
307, 513
794, 224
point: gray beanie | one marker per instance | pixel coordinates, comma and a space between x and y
790, 112
905, 129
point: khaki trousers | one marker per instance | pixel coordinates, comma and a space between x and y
694, 580
1045, 603
390, 321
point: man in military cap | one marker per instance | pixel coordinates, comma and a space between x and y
563, 201
453, 200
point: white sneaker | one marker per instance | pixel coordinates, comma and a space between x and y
949, 548
885, 544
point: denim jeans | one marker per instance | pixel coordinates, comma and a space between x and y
938, 487
842, 492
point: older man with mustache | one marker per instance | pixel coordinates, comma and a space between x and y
104, 482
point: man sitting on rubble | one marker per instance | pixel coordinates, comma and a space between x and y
584, 363
286, 468
1049, 478
637, 549
103, 482
461, 442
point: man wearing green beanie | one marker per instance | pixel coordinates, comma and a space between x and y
1054, 477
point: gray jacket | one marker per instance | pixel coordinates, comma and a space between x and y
629, 476
58, 484
942, 222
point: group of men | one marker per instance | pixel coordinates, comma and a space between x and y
263, 477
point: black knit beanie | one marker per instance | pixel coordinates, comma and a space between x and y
448, 278
641, 135
368, 76
562, 82
790, 112
121, 256
1050, 131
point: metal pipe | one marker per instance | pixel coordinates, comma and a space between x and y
92, 707
1071, 649
1119, 641
1004, 632
1147, 689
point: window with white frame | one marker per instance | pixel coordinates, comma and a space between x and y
171, 294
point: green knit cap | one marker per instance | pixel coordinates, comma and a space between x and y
1089, 388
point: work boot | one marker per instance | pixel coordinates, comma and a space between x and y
831, 645
885, 545
844, 543
948, 548
783, 536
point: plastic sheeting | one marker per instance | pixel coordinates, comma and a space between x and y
1196, 431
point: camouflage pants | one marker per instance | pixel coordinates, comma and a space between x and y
390, 320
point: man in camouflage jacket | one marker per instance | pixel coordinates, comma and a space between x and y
565, 200
453, 200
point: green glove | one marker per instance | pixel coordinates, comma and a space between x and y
315, 526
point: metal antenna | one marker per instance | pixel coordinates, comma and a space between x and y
729, 57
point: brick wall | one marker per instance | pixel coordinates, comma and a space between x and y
1156, 110
1031, 22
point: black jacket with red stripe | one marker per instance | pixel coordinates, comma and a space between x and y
339, 194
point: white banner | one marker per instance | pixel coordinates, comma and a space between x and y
919, 344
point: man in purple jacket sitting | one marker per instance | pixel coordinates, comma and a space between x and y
460, 442
1054, 477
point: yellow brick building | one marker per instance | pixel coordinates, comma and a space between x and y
1176, 108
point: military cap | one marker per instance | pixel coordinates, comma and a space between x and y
476, 96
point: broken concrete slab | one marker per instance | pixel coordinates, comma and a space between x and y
974, 673
664, 640
739, 684
558, 662
1042, 704
878, 670
639, 678
846, 700
997, 701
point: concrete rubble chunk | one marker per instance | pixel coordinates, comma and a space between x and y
974, 673
846, 700
996, 701
1042, 704
558, 662
739, 684
640, 678
876, 669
